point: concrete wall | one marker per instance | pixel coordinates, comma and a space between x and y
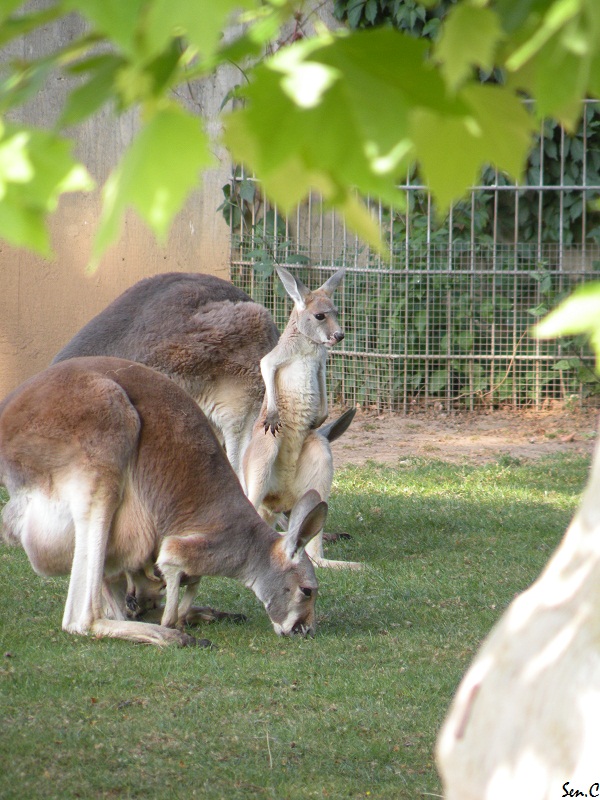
43, 303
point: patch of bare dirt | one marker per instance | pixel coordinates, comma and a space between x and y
473, 438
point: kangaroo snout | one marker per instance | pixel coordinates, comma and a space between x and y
300, 628
334, 338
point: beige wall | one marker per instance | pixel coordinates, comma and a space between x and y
43, 303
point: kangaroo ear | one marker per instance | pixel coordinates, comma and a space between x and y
332, 283
333, 430
306, 520
294, 287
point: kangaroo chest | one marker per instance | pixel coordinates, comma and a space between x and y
298, 389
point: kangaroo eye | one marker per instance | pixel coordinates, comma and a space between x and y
306, 591
320, 317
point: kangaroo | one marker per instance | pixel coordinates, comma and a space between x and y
286, 456
201, 331
209, 337
111, 469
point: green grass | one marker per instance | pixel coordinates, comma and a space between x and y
352, 713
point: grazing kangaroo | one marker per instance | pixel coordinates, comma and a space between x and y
111, 469
201, 331
287, 455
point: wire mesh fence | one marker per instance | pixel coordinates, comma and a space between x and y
446, 319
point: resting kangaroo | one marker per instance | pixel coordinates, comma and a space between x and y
112, 468
286, 455
201, 331
209, 337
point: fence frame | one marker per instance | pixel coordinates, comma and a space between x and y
436, 354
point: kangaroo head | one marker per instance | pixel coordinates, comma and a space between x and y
316, 315
289, 588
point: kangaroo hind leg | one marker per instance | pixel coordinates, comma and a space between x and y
259, 466
315, 471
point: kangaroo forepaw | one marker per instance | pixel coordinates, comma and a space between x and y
191, 641
206, 643
132, 607
272, 423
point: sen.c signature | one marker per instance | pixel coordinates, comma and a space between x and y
593, 791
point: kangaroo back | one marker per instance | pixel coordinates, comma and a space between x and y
112, 468
201, 331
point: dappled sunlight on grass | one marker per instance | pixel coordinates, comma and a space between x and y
355, 710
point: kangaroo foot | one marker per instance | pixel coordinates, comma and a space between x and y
331, 564
335, 537
198, 614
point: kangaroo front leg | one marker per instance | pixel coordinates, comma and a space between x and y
268, 368
188, 598
172, 575
323, 410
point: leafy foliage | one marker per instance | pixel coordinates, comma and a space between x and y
158, 150
26, 154
132, 54
558, 159
576, 315
336, 112
410, 16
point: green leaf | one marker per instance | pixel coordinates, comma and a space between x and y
465, 341
538, 311
201, 21
43, 167
84, 101
15, 164
24, 84
560, 81
497, 132
155, 175
23, 24
478, 379
362, 222
557, 14
248, 190
23, 227
164, 69
578, 314
36, 167
371, 10
470, 35
117, 19
553, 56
8, 6
420, 320
332, 114
567, 364
438, 381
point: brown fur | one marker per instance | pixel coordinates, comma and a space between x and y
287, 454
112, 468
203, 332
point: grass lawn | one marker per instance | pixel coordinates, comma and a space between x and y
352, 713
